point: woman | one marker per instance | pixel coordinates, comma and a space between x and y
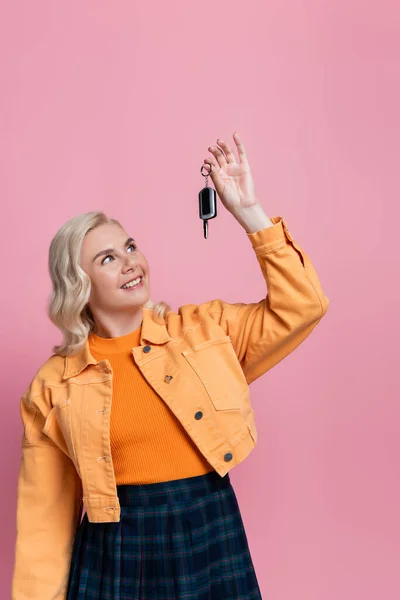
161, 517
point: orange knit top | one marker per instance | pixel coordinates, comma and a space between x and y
148, 442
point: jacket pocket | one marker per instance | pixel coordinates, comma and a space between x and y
58, 428
215, 365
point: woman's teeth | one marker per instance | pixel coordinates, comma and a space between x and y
132, 283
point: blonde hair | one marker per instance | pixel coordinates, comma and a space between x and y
68, 304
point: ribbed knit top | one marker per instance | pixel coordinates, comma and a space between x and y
148, 442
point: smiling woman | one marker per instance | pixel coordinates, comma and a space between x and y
142, 412
91, 259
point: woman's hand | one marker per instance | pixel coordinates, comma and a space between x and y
232, 180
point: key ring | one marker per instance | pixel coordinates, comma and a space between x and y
208, 172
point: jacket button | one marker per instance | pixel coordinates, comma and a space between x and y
198, 415
147, 349
228, 456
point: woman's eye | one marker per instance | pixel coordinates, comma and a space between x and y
103, 261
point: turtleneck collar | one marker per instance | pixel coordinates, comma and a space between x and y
122, 343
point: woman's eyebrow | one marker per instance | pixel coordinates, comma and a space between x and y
110, 250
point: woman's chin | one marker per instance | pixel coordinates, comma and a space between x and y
137, 299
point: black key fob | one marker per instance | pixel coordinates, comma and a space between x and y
207, 205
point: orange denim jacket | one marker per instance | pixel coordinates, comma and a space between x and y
203, 359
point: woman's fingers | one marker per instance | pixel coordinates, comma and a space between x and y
219, 155
240, 147
215, 176
224, 153
211, 160
230, 157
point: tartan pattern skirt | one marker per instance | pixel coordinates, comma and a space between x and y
176, 540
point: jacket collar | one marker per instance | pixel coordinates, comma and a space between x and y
151, 332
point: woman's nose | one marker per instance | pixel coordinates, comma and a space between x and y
129, 263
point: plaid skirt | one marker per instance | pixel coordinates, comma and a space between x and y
176, 540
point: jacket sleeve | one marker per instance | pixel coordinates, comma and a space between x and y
263, 333
49, 507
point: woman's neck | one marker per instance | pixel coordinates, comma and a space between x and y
116, 325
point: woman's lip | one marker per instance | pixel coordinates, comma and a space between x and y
132, 279
134, 287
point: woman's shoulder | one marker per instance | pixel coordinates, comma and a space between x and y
49, 372
53, 367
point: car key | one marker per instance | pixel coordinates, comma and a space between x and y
207, 202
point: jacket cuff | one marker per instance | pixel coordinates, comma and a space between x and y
270, 237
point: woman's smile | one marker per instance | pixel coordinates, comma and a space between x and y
134, 284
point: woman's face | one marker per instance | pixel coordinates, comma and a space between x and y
111, 260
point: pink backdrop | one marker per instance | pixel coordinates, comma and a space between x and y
112, 105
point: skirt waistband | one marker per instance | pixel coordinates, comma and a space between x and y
166, 492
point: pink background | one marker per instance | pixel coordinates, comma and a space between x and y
112, 105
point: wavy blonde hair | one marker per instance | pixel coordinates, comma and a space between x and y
68, 305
